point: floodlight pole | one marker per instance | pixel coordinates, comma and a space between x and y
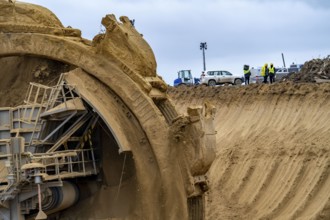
203, 46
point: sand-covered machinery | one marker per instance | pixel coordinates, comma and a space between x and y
105, 142
44, 142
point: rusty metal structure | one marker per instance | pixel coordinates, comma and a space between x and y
105, 141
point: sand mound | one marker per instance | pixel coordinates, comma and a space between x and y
272, 150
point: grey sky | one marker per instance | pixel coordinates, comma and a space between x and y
237, 31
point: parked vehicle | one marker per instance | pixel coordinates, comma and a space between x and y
281, 72
295, 68
256, 75
185, 78
217, 77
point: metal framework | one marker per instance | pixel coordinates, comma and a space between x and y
44, 141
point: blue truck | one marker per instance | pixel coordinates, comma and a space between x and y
185, 78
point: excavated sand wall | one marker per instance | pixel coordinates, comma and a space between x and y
272, 150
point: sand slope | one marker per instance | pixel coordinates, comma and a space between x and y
273, 147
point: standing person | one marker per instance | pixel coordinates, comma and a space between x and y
264, 72
272, 73
247, 74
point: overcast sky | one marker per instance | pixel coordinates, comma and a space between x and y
237, 32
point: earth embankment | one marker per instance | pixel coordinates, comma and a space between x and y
273, 147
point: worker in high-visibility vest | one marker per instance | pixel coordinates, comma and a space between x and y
272, 71
247, 74
264, 72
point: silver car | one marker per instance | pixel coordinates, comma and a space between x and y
281, 72
218, 77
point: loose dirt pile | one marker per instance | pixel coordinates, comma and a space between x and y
316, 70
273, 149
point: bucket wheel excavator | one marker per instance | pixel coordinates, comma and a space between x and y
105, 141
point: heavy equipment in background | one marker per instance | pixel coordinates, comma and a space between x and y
185, 78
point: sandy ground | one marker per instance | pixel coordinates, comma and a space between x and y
272, 150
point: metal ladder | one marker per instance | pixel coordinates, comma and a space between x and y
40, 98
